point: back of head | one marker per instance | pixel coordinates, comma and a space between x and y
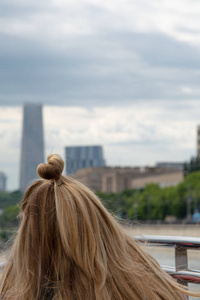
60, 248
68, 246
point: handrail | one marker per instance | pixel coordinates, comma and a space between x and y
191, 276
171, 241
181, 245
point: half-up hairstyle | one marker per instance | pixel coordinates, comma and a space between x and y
69, 247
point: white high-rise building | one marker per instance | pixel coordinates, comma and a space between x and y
32, 150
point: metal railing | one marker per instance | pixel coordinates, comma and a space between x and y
181, 245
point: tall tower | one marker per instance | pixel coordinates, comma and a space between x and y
80, 157
32, 151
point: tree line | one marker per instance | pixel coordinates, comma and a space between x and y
156, 203
9, 207
150, 203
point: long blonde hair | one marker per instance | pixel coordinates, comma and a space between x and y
69, 247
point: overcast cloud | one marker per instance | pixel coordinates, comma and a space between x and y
124, 74
89, 52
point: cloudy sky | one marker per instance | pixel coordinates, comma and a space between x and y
124, 74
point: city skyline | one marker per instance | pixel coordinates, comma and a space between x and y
129, 136
123, 74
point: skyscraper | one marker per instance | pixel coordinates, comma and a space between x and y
79, 157
32, 151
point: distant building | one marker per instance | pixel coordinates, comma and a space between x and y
91, 177
79, 157
198, 141
32, 150
106, 179
164, 177
2, 181
117, 179
171, 165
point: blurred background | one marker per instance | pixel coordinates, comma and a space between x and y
113, 87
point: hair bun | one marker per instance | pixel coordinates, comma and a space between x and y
53, 169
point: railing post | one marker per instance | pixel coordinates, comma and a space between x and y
181, 259
181, 262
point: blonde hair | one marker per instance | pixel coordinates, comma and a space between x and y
69, 247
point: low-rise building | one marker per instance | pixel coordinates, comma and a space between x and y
163, 177
171, 165
116, 179
91, 177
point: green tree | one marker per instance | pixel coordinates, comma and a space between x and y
9, 216
155, 203
192, 166
10, 198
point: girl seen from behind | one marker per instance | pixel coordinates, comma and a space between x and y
69, 247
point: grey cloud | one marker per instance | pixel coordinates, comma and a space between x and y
146, 142
160, 50
188, 30
102, 69
22, 9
